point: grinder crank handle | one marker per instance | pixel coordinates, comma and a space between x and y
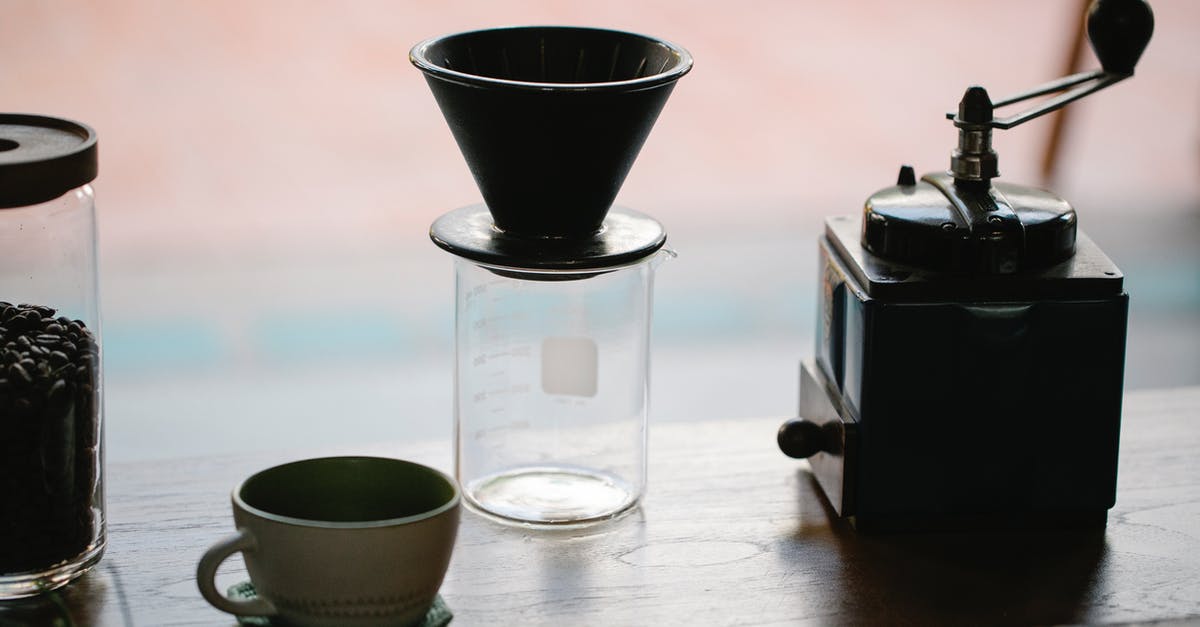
1118, 30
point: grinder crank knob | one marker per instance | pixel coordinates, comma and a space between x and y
800, 438
1119, 31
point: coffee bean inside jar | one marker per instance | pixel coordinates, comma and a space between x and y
49, 438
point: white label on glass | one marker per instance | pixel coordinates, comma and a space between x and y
569, 366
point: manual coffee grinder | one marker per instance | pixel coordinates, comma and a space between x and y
553, 283
970, 340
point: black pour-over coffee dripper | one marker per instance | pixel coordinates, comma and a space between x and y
550, 120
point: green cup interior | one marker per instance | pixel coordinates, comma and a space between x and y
348, 490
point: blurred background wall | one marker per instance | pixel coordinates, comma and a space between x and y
269, 170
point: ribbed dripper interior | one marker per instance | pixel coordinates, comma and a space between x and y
555, 56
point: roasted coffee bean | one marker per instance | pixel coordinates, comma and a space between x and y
57, 400
25, 321
58, 359
17, 372
54, 327
23, 342
57, 392
48, 339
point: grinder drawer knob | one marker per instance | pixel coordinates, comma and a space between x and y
800, 438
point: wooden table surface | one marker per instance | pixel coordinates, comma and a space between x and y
730, 533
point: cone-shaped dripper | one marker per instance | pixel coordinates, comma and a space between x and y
550, 119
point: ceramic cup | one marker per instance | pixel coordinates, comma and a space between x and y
349, 541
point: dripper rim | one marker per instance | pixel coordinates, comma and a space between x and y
417, 56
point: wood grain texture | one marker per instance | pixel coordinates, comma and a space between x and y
731, 533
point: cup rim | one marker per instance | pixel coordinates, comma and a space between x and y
449, 505
418, 56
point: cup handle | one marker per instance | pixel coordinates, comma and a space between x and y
206, 573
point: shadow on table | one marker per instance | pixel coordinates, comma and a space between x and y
562, 561
51, 608
1021, 577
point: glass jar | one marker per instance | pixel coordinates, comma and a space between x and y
551, 385
52, 524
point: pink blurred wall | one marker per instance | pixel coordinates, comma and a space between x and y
237, 128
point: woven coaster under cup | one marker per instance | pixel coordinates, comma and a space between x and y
438, 615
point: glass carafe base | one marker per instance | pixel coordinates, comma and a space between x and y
551, 495
33, 583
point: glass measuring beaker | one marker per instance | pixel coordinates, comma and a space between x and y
551, 389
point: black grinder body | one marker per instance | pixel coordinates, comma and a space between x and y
970, 340
950, 399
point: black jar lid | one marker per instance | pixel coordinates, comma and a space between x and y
42, 158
